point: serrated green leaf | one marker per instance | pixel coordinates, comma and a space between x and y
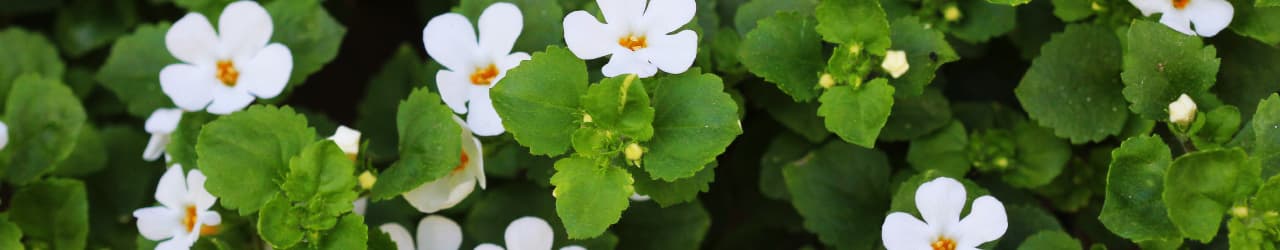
10, 235
1253, 20
398, 77
620, 104
668, 193
1075, 76
927, 50
323, 179
1040, 156
589, 197
1024, 221
838, 197
539, 100
277, 223
1200, 187
53, 213
857, 114
44, 120
751, 12
1266, 133
543, 21
84, 26
916, 116
648, 226
1219, 126
430, 145
246, 154
349, 234
1051, 240
492, 212
786, 51
89, 156
132, 69
1268, 196
26, 52
945, 151
983, 20
1160, 64
1134, 208
311, 34
694, 121
1072, 10
860, 22
182, 142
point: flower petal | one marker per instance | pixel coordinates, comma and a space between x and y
588, 38
451, 41
1148, 7
266, 75
573, 247
175, 244
475, 166
902, 231
4, 135
399, 235
483, 119
190, 87
195, 190
172, 189
1209, 16
347, 139
155, 147
487, 246
454, 89
439, 233
624, 14
986, 221
441, 193
360, 205
210, 218
157, 223
500, 25
529, 233
672, 53
245, 27
1177, 21
227, 100
627, 62
192, 40
507, 63
665, 16
940, 201
163, 121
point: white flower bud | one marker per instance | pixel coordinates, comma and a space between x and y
895, 62
348, 140
1182, 111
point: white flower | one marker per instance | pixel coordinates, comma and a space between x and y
161, 124
1209, 16
227, 69
895, 62
434, 233
940, 202
348, 140
452, 188
1182, 111
527, 233
637, 36
184, 212
4, 135
474, 66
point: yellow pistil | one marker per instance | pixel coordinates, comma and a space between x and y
462, 165
227, 73
1179, 4
943, 243
633, 43
484, 76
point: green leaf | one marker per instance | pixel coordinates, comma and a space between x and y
1072, 10
916, 116
246, 154
1267, 3
927, 50
1257, 22
430, 145
860, 22
398, 77
648, 226
127, 183
543, 21
539, 100
498, 206
278, 225
982, 20
801, 118
349, 234
782, 151
53, 213
26, 52
182, 142
1268, 196
44, 120
1040, 156
945, 151
838, 197
84, 26
10, 235
1244, 79
1024, 221
1072, 87
1201, 186
857, 114
694, 121
1160, 64
132, 69
1218, 127
1133, 208
620, 104
589, 197
323, 179
668, 193
311, 34
1266, 132
753, 11
89, 156
1051, 240
785, 51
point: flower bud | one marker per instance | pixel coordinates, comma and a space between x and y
895, 62
951, 13
633, 153
1240, 212
1182, 111
586, 118
367, 180
826, 81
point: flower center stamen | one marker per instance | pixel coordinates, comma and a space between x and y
462, 165
633, 43
1180, 4
484, 76
190, 219
944, 243
227, 73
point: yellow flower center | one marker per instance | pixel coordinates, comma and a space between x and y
1180, 4
483, 76
190, 222
633, 43
944, 243
227, 73
462, 165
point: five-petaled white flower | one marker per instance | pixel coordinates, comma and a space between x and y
348, 140
527, 233
225, 70
161, 124
1209, 16
637, 36
474, 66
1182, 111
447, 191
940, 202
184, 212
434, 233
895, 62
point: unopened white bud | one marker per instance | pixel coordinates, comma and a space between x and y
895, 62
1182, 111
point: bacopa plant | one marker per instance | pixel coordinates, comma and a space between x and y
640, 124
